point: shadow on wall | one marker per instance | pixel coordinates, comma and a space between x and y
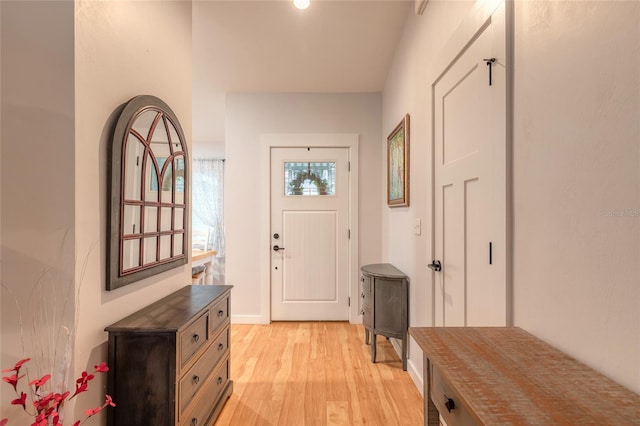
97, 390
38, 309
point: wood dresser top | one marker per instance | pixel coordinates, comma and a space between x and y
505, 375
171, 312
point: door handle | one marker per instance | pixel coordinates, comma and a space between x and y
277, 248
435, 265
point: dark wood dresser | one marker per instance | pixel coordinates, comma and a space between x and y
506, 376
385, 305
169, 362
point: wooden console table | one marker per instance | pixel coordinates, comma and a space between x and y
504, 375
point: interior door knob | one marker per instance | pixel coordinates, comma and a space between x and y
277, 248
435, 265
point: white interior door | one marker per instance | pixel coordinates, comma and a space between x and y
470, 183
309, 234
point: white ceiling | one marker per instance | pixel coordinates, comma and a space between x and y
334, 46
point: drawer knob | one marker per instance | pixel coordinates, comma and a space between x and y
220, 314
219, 380
361, 311
362, 295
449, 403
220, 347
196, 338
196, 379
194, 421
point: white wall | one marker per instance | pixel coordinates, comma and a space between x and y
207, 149
122, 49
576, 168
249, 116
54, 165
37, 164
1, 396
576, 163
407, 90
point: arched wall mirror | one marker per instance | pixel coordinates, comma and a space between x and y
149, 193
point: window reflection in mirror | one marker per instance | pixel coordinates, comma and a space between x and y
148, 198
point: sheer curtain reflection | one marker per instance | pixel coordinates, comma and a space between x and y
207, 224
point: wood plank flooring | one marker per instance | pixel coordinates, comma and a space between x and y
316, 373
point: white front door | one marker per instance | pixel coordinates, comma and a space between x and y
309, 234
470, 183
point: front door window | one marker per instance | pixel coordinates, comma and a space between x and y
309, 178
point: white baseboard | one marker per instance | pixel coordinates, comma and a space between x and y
248, 319
258, 319
397, 345
416, 376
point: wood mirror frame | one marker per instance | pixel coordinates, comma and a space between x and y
149, 193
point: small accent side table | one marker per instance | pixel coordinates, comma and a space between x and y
385, 305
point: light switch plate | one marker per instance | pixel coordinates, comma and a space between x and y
417, 227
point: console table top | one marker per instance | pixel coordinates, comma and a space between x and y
171, 312
383, 270
506, 375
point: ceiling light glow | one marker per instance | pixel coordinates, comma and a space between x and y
301, 4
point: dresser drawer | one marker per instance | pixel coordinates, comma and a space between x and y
367, 318
219, 314
193, 338
366, 284
199, 413
442, 394
366, 298
221, 344
219, 380
195, 378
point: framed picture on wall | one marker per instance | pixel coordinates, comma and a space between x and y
398, 165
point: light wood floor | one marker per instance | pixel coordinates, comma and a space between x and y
316, 373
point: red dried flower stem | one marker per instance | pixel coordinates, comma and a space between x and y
48, 406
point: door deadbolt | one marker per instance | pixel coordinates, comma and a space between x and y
276, 236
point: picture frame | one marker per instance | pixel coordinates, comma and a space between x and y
398, 165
